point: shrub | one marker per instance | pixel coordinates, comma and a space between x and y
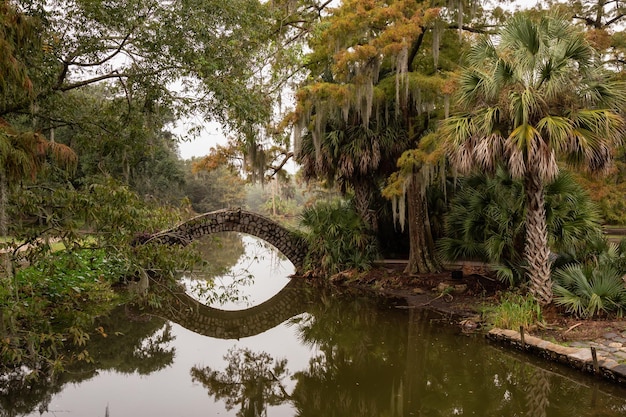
514, 310
338, 239
54, 300
590, 290
486, 221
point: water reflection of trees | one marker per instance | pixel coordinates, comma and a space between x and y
362, 345
219, 253
377, 360
251, 381
449, 374
372, 360
227, 261
131, 345
356, 338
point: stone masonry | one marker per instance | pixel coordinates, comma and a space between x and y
287, 242
604, 357
292, 300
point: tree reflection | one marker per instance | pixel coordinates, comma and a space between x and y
370, 359
131, 345
538, 393
219, 252
359, 370
252, 381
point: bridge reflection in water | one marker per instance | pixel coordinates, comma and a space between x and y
191, 314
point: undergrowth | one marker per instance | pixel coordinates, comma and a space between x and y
514, 310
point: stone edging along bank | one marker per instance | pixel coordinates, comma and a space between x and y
584, 359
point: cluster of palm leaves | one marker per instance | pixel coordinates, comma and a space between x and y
535, 95
595, 286
487, 219
338, 238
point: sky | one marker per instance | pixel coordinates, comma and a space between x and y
212, 133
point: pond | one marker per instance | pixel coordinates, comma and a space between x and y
279, 348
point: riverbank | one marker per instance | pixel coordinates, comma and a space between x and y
463, 297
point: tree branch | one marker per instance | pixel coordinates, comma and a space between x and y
83, 83
115, 52
114, 74
481, 30
416, 46
615, 19
287, 157
588, 21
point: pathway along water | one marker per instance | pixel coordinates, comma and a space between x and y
344, 356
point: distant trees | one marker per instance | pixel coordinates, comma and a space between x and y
214, 190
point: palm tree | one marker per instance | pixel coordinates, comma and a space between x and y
535, 92
356, 157
486, 221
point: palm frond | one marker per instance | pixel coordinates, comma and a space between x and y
590, 291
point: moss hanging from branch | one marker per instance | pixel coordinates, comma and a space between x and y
402, 77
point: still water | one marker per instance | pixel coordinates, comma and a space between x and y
278, 348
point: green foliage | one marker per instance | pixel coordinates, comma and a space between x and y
338, 239
590, 290
610, 192
126, 140
283, 201
54, 300
615, 255
593, 284
514, 310
613, 205
486, 221
511, 111
18, 38
375, 86
217, 47
106, 210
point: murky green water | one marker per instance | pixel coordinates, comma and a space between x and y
302, 352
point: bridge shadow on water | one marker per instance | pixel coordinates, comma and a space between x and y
193, 315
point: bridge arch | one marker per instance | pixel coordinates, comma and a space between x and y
286, 241
188, 312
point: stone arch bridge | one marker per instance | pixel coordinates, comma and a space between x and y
292, 300
289, 243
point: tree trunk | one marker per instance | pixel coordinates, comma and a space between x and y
7, 267
421, 259
537, 251
362, 202
4, 228
538, 389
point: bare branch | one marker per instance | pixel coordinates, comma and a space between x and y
83, 83
286, 157
115, 52
615, 19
